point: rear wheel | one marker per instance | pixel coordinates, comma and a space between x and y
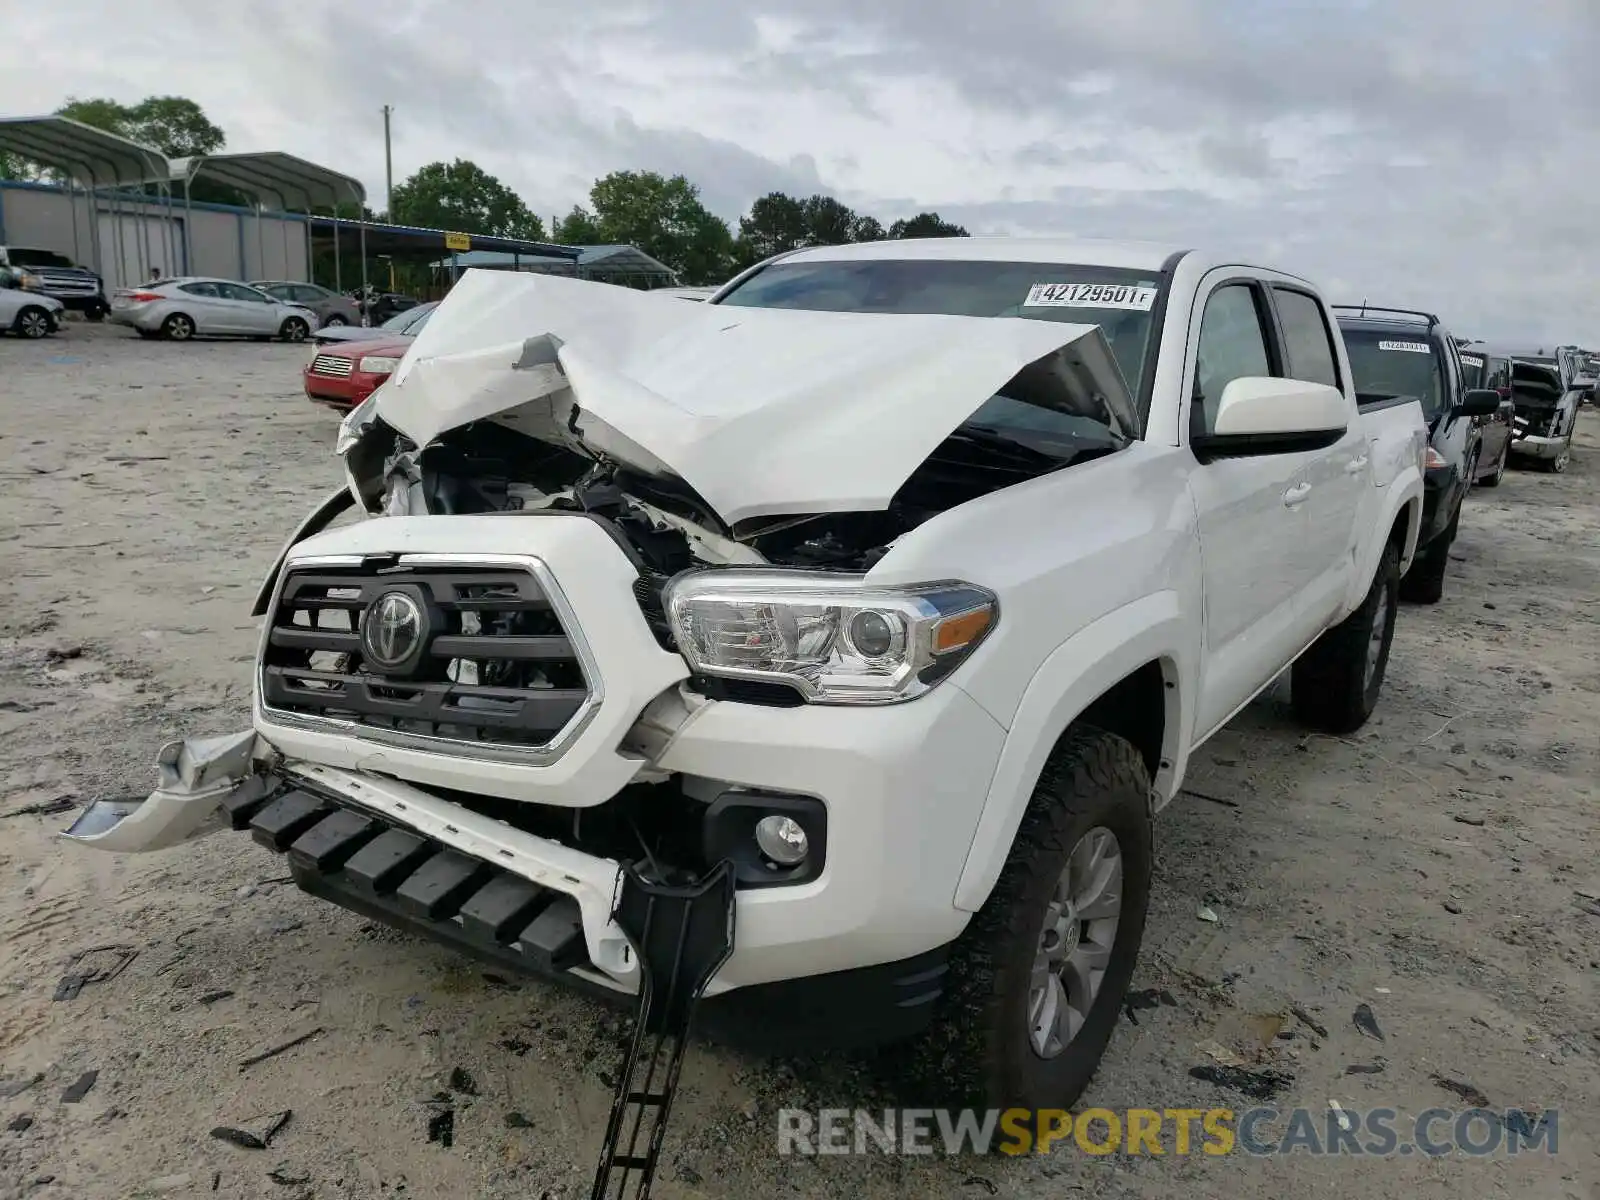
1038, 978
177, 328
336, 321
32, 322
294, 329
95, 312
1335, 685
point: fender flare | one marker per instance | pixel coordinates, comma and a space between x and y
1077, 673
1407, 489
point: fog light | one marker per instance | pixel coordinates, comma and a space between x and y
782, 840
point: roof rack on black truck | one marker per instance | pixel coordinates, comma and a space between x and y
828, 647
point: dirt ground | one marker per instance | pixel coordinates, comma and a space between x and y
1440, 867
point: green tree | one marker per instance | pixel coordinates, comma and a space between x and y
461, 196
666, 219
926, 225
775, 223
174, 125
578, 228
829, 222
866, 229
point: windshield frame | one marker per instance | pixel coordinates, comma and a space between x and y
1143, 395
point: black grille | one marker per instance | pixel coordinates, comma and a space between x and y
496, 666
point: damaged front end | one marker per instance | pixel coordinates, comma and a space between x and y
199, 779
552, 461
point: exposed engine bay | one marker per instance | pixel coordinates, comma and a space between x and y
700, 444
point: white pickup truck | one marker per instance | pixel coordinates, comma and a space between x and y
898, 583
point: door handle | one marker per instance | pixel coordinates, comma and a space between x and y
1356, 465
1296, 494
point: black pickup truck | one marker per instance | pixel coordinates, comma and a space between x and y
52, 274
1397, 354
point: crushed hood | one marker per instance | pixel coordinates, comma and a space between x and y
763, 412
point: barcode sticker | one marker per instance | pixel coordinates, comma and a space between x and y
1408, 347
1091, 295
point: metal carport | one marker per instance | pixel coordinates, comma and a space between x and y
92, 158
293, 182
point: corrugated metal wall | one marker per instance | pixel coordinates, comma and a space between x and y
126, 241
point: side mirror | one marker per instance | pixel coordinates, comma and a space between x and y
1263, 415
1480, 402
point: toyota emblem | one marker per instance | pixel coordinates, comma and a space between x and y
392, 631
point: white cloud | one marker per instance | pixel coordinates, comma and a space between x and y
1435, 153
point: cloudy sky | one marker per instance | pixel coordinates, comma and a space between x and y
1435, 153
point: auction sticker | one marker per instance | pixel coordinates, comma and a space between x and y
1472, 360
1091, 295
1408, 347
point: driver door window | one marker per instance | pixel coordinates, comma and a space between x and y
1233, 345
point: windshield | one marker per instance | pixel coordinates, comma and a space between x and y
1118, 301
1387, 364
38, 258
411, 321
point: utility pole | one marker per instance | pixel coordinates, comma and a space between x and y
388, 168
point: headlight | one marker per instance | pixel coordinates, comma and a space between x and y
356, 423
831, 637
378, 364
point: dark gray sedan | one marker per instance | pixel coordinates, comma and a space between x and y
332, 309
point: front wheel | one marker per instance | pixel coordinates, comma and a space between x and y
1038, 978
96, 313
294, 330
1334, 685
32, 322
1561, 461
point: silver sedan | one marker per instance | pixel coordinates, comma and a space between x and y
192, 306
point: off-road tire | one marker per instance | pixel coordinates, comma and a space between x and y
1329, 684
979, 1051
1499, 468
294, 329
32, 322
177, 328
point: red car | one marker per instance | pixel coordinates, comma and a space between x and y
343, 374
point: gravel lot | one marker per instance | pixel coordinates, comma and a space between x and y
1441, 867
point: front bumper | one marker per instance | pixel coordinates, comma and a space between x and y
1538, 447
341, 393
903, 785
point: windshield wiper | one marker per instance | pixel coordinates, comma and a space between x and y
994, 439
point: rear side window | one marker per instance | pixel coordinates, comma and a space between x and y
201, 289
1306, 339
